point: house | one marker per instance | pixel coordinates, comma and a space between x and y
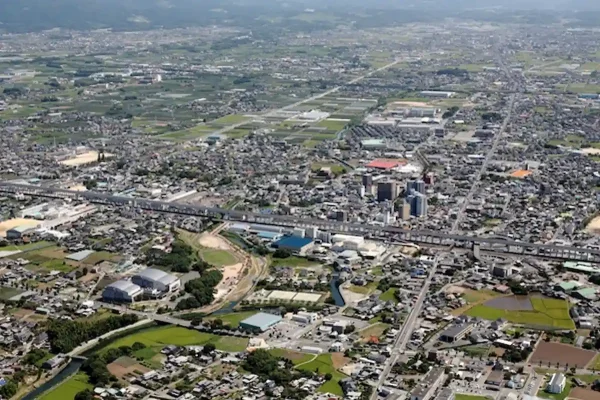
557, 383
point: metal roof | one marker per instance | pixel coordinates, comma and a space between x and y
262, 320
293, 242
125, 286
157, 275
80, 255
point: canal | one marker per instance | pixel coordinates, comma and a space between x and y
334, 285
63, 375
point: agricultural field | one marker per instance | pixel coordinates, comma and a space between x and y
294, 262
533, 312
7, 292
336, 169
553, 354
368, 288
69, 388
375, 330
158, 337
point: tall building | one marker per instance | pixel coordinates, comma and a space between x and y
417, 185
386, 191
405, 211
367, 181
418, 204
341, 216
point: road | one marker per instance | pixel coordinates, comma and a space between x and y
315, 97
407, 329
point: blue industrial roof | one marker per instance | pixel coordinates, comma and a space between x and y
293, 242
262, 320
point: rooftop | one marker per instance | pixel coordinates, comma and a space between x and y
262, 319
293, 242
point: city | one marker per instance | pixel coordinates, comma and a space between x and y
299, 201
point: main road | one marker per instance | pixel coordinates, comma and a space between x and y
412, 319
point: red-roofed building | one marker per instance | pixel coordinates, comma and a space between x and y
382, 163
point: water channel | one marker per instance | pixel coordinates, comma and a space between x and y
63, 375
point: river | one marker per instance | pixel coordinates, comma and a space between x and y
335, 290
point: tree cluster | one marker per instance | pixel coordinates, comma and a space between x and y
201, 289
95, 366
180, 258
65, 335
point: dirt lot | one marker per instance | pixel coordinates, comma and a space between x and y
584, 394
12, 223
563, 354
339, 360
124, 367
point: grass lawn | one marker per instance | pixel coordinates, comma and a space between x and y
27, 246
476, 351
363, 289
56, 265
377, 271
459, 396
552, 313
295, 262
595, 364
310, 144
218, 258
389, 295
230, 119
323, 364
69, 388
158, 337
583, 88
295, 357
233, 319
558, 396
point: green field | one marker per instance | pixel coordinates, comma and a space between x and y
233, 319
323, 364
295, 357
8, 292
459, 396
69, 388
230, 119
294, 262
332, 124
389, 295
218, 258
159, 337
551, 313
368, 288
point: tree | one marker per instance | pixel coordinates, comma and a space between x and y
196, 321
328, 376
9, 389
282, 253
138, 346
86, 394
209, 348
349, 329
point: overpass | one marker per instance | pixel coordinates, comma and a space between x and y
384, 233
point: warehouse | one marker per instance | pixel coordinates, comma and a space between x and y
260, 322
152, 278
296, 245
122, 291
456, 333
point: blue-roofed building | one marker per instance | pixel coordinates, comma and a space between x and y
297, 245
260, 322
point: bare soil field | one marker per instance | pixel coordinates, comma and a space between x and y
12, 223
553, 353
584, 394
124, 367
339, 360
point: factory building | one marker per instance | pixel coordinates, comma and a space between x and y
122, 292
156, 279
456, 332
297, 245
260, 322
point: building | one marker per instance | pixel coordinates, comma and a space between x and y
19, 232
417, 185
437, 94
260, 322
418, 204
373, 144
445, 394
296, 245
341, 215
405, 210
456, 332
54, 362
557, 383
386, 191
427, 387
122, 291
152, 278
367, 182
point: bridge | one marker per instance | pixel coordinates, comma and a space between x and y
384, 233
